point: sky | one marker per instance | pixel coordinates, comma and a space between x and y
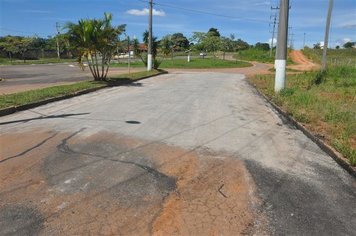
249, 20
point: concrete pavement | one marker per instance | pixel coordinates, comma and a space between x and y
179, 154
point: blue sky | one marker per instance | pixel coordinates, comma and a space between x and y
246, 19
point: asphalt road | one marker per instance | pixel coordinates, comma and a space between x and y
179, 154
26, 77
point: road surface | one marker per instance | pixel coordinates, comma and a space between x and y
180, 154
28, 77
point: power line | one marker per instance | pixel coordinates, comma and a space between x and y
205, 12
19, 31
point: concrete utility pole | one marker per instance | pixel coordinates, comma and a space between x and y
57, 41
129, 51
304, 40
281, 53
273, 32
149, 56
326, 39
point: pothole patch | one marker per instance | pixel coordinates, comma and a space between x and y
20, 220
106, 168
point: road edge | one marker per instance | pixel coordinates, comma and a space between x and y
11, 110
337, 156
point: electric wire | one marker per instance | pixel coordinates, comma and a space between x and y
205, 12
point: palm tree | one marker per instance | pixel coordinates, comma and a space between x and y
95, 41
155, 43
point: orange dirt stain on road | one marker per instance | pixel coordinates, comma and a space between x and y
106, 184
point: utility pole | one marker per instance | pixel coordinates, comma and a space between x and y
273, 32
304, 40
57, 40
129, 51
281, 53
149, 56
326, 39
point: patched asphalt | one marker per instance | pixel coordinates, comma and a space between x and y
20, 220
203, 145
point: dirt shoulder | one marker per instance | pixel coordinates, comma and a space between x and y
302, 62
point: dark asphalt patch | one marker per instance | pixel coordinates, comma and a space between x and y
105, 167
296, 207
20, 220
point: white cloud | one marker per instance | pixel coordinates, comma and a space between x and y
342, 41
274, 42
145, 12
348, 26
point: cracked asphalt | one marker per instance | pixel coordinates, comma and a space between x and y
188, 153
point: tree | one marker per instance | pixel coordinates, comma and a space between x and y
317, 46
226, 45
241, 45
262, 46
198, 37
349, 45
179, 41
213, 32
155, 43
166, 45
10, 46
211, 44
24, 45
95, 40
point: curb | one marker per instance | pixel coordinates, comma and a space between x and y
337, 156
11, 110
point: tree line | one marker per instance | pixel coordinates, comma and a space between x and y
19, 47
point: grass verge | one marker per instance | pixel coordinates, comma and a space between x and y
336, 57
37, 95
259, 55
195, 63
324, 102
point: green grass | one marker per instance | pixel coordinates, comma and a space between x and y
287, 70
335, 57
27, 97
328, 109
22, 98
6, 61
195, 63
133, 64
254, 54
263, 56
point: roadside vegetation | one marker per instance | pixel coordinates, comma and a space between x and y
325, 102
255, 54
336, 57
195, 63
6, 61
37, 95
